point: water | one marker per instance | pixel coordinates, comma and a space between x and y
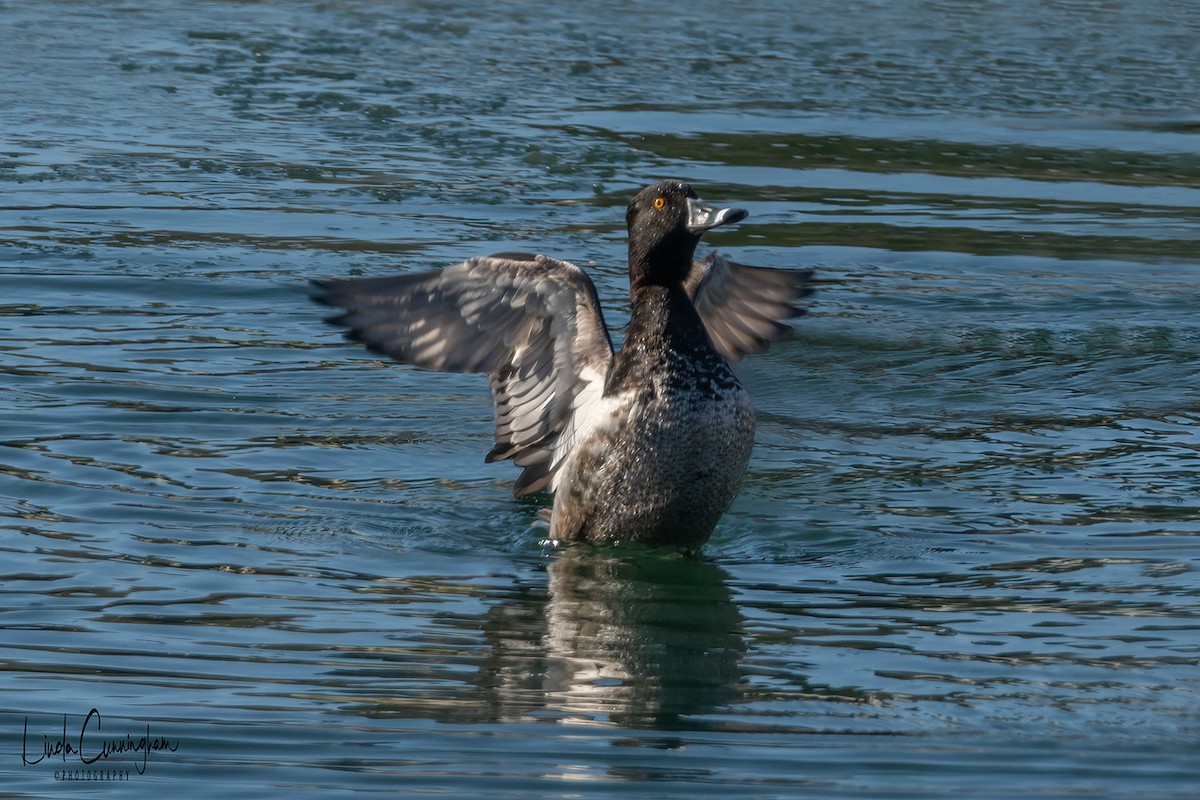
964, 560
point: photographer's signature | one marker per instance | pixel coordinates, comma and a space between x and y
92, 746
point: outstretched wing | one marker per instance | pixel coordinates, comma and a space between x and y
533, 324
743, 308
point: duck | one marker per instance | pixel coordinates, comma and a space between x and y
645, 445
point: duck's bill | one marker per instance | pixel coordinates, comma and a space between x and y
703, 217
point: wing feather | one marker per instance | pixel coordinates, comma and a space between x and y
533, 324
744, 309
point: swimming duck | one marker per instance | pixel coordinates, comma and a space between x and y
647, 444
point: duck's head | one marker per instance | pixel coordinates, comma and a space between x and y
665, 223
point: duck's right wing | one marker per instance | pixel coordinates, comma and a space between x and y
532, 323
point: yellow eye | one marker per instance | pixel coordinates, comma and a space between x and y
659, 202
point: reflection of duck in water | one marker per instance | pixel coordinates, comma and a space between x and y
648, 444
641, 640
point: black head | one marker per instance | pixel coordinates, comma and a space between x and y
665, 223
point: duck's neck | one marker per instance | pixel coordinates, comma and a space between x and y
663, 327
663, 316
665, 262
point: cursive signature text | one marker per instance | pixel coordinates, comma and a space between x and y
92, 746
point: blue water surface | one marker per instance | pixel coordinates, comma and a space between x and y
963, 563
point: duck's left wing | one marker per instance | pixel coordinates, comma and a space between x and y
744, 309
533, 324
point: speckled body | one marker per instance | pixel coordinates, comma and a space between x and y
670, 438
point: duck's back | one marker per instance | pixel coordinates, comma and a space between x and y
662, 451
